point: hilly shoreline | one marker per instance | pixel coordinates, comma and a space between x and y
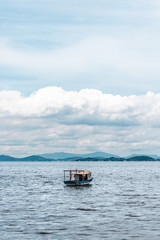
98, 156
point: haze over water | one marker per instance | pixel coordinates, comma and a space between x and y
122, 202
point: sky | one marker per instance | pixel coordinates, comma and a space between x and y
79, 76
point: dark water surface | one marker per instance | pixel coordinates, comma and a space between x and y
123, 201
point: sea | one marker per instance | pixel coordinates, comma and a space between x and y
122, 203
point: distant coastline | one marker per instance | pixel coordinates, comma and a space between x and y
39, 158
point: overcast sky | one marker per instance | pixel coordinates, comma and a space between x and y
79, 76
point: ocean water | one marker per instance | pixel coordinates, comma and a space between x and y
123, 201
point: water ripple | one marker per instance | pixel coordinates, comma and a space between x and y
121, 203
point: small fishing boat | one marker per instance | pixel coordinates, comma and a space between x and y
77, 177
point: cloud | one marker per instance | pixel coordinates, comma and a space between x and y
52, 119
93, 54
112, 46
88, 107
107, 45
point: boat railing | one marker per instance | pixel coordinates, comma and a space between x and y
69, 173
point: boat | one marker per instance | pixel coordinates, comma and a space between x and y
77, 177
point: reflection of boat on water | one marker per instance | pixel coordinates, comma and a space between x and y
77, 177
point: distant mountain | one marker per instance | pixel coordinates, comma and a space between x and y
59, 155
138, 155
90, 158
118, 159
34, 158
63, 155
99, 155
141, 158
7, 158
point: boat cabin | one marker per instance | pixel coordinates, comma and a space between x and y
77, 177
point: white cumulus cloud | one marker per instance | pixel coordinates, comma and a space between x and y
52, 119
88, 106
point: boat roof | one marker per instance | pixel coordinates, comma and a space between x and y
80, 173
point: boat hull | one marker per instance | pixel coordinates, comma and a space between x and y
78, 183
